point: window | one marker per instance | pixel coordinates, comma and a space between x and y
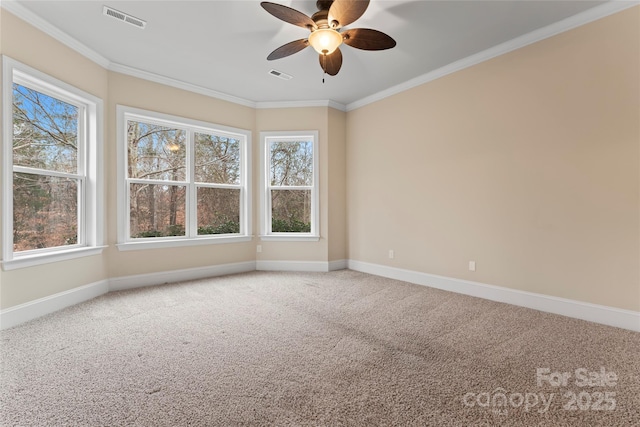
183, 182
289, 198
51, 188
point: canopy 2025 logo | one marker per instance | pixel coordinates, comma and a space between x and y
500, 401
583, 400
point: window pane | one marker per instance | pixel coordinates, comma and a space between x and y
218, 211
291, 163
217, 159
156, 152
45, 131
157, 210
45, 211
291, 211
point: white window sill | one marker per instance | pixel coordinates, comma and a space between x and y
151, 243
49, 257
290, 238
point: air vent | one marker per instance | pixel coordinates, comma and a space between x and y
280, 75
121, 16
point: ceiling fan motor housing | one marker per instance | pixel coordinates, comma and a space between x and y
321, 17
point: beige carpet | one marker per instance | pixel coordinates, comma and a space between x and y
313, 349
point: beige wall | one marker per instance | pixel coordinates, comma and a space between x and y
32, 47
337, 197
527, 164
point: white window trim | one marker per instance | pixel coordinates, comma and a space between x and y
265, 200
91, 218
125, 243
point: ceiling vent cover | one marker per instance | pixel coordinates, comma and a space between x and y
121, 16
280, 75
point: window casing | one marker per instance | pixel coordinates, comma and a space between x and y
52, 183
181, 181
289, 185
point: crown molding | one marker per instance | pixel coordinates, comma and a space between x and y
301, 104
179, 84
567, 24
31, 18
26, 15
167, 81
551, 30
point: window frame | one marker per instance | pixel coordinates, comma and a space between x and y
89, 173
191, 127
265, 186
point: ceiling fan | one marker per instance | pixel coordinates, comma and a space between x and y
326, 35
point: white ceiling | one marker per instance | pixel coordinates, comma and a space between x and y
222, 45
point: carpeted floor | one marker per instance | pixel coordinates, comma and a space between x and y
314, 349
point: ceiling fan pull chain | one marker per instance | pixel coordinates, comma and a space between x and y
324, 67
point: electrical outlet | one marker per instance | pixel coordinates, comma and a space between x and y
472, 266
259, 248
391, 254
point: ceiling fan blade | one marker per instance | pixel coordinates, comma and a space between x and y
331, 63
344, 12
288, 49
289, 15
367, 39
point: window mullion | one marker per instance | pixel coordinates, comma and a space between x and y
291, 187
192, 191
156, 182
268, 213
81, 144
212, 185
45, 172
82, 222
269, 217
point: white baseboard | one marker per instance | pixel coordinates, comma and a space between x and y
33, 309
340, 264
141, 280
611, 316
314, 266
605, 315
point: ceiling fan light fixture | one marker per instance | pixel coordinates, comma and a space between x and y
325, 40
325, 25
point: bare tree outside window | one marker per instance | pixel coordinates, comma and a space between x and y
291, 175
156, 164
169, 169
46, 183
217, 166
